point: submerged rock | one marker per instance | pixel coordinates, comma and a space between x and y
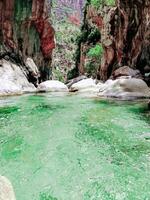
125, 88
145, 136
13, 80
6, 189
52, 86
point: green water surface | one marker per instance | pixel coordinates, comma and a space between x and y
55, 147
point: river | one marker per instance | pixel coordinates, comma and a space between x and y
68, 147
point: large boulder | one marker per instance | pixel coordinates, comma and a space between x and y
84, 85
6, 189
52, 86
13, 79
125, 88
75, 80
126, 71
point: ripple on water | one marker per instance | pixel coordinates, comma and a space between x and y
73, 148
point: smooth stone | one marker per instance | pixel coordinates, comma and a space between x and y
125, 88
13, 80
84, 85
52, 86
6, 189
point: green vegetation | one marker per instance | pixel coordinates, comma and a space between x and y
95, 51
93, 60
57, 74
91, 68
98, 3
94, 35
63, 55
110, 2
90, 36
72, 73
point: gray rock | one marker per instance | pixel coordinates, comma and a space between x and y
125, 88
126, 71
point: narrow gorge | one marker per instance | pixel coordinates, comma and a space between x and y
74, 99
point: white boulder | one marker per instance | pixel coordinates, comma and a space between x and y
84, 85
9, 88
6, 189
52, 86
125, 87
13, 79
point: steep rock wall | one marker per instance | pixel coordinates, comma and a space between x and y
25, 31
124, 36
130, 37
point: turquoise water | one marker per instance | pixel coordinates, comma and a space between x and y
73, 148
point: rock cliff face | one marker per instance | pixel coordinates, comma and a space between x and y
124, 36
25, 32
129, 36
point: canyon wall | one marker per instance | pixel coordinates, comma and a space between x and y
25, 31
117, 35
